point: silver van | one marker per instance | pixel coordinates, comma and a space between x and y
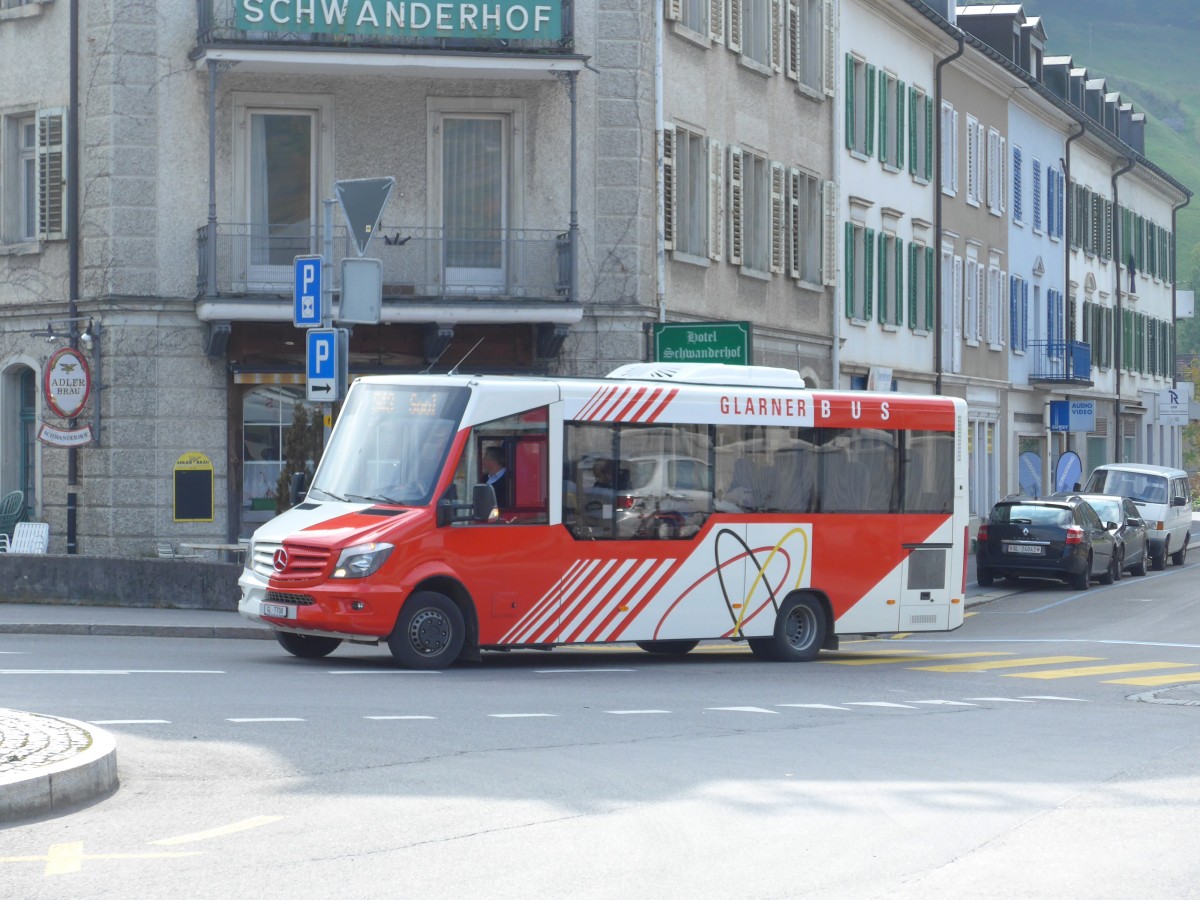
1163, 497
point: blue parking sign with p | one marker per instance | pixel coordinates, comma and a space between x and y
306, 310
323, 362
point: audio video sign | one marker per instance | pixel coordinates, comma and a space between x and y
484, 19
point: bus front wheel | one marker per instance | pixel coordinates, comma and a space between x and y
800, 630
429, 632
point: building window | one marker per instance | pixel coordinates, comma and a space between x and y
997, 172
949, 158
860, 106
694, 15
920, 131
984, 466
806, 30
755, 31
27, 206
267, 413
1018, 313
1036, 194
687, 173
975, 171
972, 301
891, 279
920, 287
1018, 210
891, 120
860, 270
750, 209
995, 316
34, 198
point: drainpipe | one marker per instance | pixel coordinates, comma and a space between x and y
210, 246
1174, 321
1120, 321
573, 226
73, 254
660, 250
1065, 161
937, 213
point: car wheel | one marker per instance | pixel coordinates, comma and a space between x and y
1180, 555
429, 632
1120, 570
1158, 561
1083, 580
1110, 574
306, 646
674, 648
1139, 568
984, 577
800, 629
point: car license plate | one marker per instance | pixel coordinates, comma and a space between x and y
276, 611
1026, 549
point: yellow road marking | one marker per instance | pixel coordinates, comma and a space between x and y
63, 859
878, 659
1006, 663
1151, 680
243, 825
1095, 670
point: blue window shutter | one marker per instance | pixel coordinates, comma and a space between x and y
1013, 334
1024, 315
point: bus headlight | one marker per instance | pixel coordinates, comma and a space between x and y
361, 560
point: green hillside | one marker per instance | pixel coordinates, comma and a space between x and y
1147, 50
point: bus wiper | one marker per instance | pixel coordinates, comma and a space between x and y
376, 498
329, 494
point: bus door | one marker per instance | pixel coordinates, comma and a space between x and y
925, 587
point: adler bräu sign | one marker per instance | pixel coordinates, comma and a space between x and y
485, 19
68, 382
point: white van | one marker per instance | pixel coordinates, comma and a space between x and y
1163, 497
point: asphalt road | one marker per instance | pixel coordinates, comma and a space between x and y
1040, 750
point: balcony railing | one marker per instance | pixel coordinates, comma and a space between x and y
418, 263
421, 26
1061, 362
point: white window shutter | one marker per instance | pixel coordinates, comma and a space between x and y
778, 29
736, 206
829, 199
795, 36
734, 41
795, 243
716, 21
829, 16
716, 200
980, 287
673, 9
1001, 330
52, 173
1003, 188
958, 298
778, 219
669, 200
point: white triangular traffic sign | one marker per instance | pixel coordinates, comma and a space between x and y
362, 201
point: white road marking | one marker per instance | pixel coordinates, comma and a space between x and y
1051, 697
577, 671
814, 706
999, 700
389, 718
279, 719
945, 702
128, 722
383, 672
882, 703
111, 672
753, 709
638, 712
522, 715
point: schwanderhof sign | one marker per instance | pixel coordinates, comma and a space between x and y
485, 19
703, 342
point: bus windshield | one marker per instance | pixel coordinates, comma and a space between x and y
390, 444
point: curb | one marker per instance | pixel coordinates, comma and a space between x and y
181, 631
63, 785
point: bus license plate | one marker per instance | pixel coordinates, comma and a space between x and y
278, 612
1026, 549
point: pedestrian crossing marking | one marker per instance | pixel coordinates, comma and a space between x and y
1151, 680
1083, 671
879, 659
1006, 663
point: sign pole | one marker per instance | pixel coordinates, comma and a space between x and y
327, 291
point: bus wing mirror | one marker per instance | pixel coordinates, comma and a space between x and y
296, 489
483, 502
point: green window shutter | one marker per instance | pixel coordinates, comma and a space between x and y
914, 260
883, 117
900, 118
881, 249
898, 298
869, 149
849, 270
929, 286
849, 102
929, 140
868, 273
912, 131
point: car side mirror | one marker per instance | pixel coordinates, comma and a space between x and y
1111, 526
1179, 501
483, 502
296, 489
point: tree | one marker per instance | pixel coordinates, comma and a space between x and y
297, 454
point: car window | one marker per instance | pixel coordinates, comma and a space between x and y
1089, 516
1032, 515
1130, 510
1107, 510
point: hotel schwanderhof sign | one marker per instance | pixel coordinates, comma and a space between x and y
485, 19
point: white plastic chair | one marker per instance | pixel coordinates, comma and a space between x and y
30, 537
3, 543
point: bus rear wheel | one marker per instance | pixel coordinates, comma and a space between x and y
306, 646
800, 630
676, 648
429, 632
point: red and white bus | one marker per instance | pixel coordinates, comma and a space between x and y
662, 505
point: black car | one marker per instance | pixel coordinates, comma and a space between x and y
1133, 547
1059, 537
